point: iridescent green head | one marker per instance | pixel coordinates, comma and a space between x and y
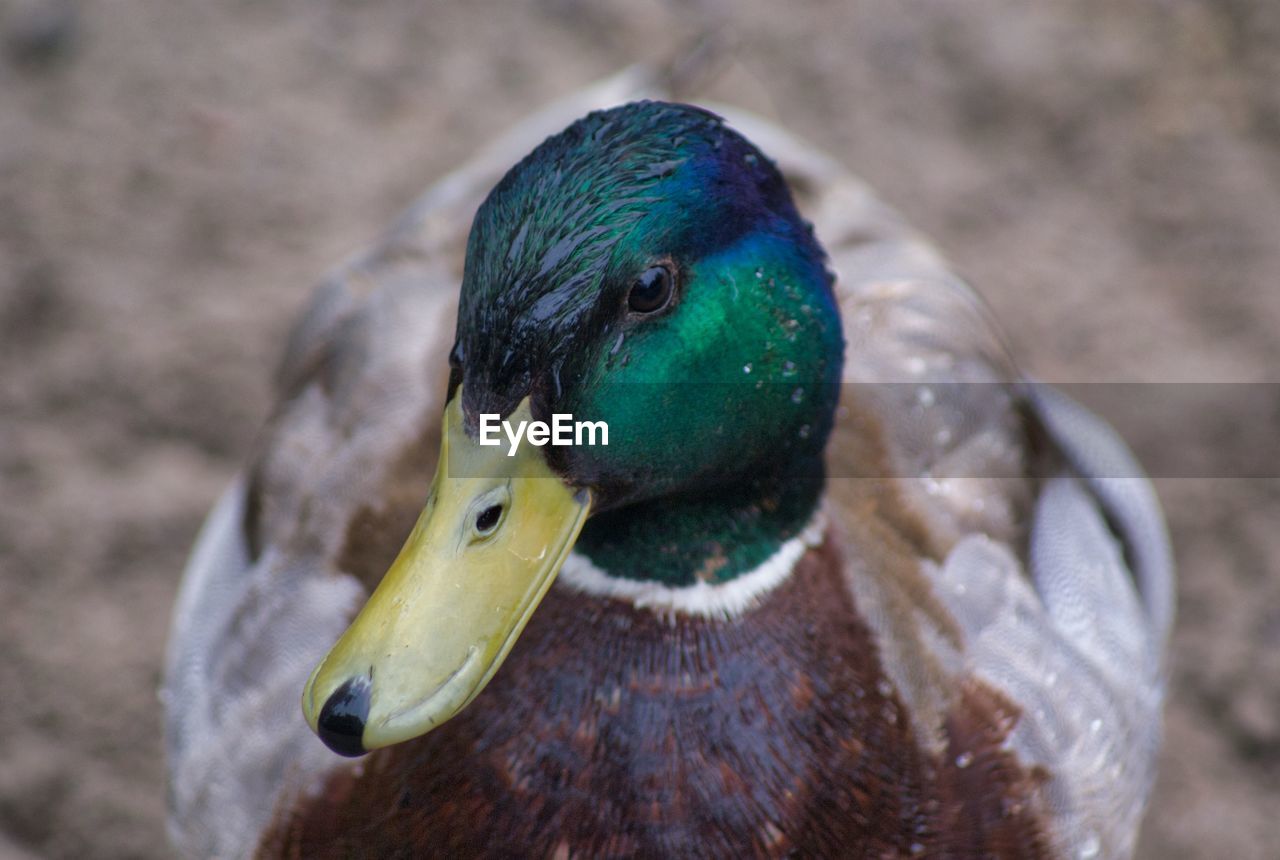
647, 267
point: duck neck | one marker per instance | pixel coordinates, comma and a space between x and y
713, 536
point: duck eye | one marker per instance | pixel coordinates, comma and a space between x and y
487, 519
651, 291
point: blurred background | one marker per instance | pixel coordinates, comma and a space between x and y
176, 174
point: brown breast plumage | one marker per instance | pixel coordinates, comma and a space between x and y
612, 731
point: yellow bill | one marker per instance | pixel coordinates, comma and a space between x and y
495, 531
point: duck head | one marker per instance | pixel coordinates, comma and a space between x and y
645, 271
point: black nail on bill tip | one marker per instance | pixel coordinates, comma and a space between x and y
341, 723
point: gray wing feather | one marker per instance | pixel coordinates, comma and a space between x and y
1115, 477
1070, 635
244, 635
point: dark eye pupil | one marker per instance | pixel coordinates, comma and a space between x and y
488, 518
650, 291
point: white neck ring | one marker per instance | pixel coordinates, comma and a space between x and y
725, 600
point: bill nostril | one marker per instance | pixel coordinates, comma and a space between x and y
341, 722
487, 520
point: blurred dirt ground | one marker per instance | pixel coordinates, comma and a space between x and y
175, 174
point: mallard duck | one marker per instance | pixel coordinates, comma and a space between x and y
840, 583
